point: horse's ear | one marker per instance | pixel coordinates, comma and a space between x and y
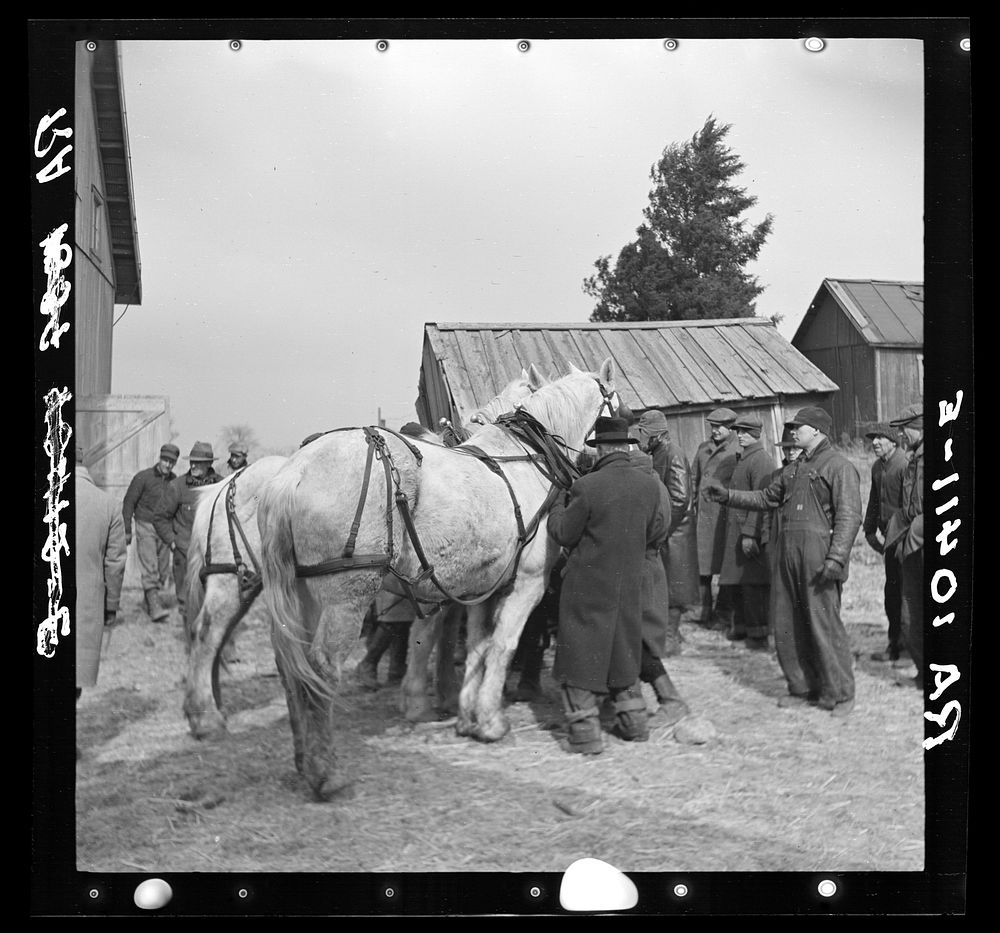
535, 379
608, 370
524, 374
573, 368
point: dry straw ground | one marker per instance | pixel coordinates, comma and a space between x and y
774, 790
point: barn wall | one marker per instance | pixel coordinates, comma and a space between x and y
900, 380
829, 328
93, 283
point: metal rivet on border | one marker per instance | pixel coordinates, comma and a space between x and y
670, 44
965, 45
827, 888
814, 44
235, 44
91, 46
381, 46
523, 46
681, 890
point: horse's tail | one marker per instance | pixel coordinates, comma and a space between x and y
281, 594
194, 585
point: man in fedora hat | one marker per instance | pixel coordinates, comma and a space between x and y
904, 539
175, 514
680, 556
820, 500
608, 519
885, 497
744, 563
99, 554
237, 456
715, 459
142, 498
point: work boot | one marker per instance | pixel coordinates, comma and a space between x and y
672, 643
367, 669
397, 653
154, 606
757, 643
672, 708
585, 732
632, 717
529, 685
706, 603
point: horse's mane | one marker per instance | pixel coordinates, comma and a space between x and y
560, 409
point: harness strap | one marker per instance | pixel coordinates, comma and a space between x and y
341, 563
492, 465
353, 536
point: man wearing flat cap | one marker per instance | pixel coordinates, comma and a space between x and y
608, 520
237, 456
904, 538
884, 499
820, 500
680, 556
715, 459
142, 498
175, 515
744, 562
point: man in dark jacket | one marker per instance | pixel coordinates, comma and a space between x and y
904, 539
744, 563
715, 459
820, 500
680, 556
237, 456
884, 498
175, 515
142, 498
609, 519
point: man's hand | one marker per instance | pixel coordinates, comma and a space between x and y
877, 546
750, 546
714, 491
831, 571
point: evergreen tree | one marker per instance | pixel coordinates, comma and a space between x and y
689, 257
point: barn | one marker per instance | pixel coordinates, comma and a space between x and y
867, 335
120, 434
683, 368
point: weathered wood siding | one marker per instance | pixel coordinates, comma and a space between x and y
93, 266
900, 380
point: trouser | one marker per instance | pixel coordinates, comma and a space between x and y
582, 709
530, 654
810, 639
750, 615
180, 571
893, 600
912, 608
154, 556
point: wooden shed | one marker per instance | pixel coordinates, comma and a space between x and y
120, 434
867, 336
683, 368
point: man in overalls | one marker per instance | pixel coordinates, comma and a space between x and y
820, 500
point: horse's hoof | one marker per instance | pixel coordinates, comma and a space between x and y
208, 727
422, 714
493, 728
448, 705
465, 725
332, 787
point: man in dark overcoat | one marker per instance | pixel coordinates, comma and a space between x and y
820, 500
659, 638
608, 520
715, 459
905, 539
680, 556
744, 563
884, 499
772, 524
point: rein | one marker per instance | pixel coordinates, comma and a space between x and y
249, 580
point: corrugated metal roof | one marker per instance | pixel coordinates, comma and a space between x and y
885, 313
658, 364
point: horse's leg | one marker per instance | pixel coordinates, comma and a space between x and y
477, 619
296, 712
413, 699
207, 632
509, 619
446, 682
333, 609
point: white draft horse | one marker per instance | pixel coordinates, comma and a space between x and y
223, 574
331, 531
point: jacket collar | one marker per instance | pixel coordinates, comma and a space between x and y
817, 450
750, 448
616, 456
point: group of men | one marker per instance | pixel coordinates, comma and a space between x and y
160, 505
643, 531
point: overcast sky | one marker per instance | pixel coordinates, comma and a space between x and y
303, 208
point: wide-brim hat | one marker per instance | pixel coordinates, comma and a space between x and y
786, 437
653, 421
170, 452
201, 452
816, 418
724, 416
882, 430
910, 417
611, 431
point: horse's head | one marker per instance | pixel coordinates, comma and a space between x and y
513, 394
